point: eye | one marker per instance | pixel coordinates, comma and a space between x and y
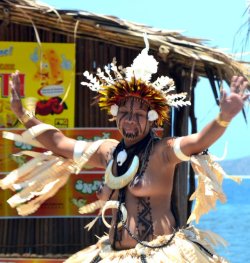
141, 114
123, 111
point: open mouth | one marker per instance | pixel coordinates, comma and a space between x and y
130, 133
129, 130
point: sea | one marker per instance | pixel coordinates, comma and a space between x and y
231, 221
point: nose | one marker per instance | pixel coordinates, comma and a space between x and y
131, 118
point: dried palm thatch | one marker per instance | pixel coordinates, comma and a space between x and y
242, 36
185, 51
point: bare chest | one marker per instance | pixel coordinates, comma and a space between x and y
154, 177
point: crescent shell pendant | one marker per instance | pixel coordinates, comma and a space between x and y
113, 204
115, 182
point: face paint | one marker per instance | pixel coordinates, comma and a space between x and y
138, 122
132, 118
131, 112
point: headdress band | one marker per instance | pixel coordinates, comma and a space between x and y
117, 84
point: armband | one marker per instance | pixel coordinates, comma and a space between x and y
178, 152
27, 115
78, 150
222, 123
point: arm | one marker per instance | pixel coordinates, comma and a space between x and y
55, 140
230, 106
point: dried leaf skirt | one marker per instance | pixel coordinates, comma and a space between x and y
188, 245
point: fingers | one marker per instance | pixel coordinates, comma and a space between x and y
15, 85
223, 95
14, 93
15, 78
246, 97
239, 84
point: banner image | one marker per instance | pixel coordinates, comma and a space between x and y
47, 76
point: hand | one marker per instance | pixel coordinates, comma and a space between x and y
15, 100
232, 104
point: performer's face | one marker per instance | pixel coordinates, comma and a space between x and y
132, 120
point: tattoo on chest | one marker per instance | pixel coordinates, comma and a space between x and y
144, 219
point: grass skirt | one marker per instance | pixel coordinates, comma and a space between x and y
188, 245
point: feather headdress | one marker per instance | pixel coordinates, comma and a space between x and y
116, 84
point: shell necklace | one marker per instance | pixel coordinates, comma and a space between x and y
128, 163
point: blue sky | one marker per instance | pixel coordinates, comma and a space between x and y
215, 20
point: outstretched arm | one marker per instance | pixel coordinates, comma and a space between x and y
53, 140
230, 106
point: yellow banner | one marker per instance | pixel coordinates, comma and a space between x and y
47, 76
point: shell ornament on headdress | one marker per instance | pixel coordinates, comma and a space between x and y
117, 84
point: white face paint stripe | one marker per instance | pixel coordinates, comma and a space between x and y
178, 152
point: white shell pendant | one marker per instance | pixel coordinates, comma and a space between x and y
121, 157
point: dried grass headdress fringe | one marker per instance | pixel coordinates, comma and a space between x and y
116, 84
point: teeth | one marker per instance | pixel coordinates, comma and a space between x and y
115, 182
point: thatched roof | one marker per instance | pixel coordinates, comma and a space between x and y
170, 45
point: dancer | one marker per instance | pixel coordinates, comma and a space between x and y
139, 169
